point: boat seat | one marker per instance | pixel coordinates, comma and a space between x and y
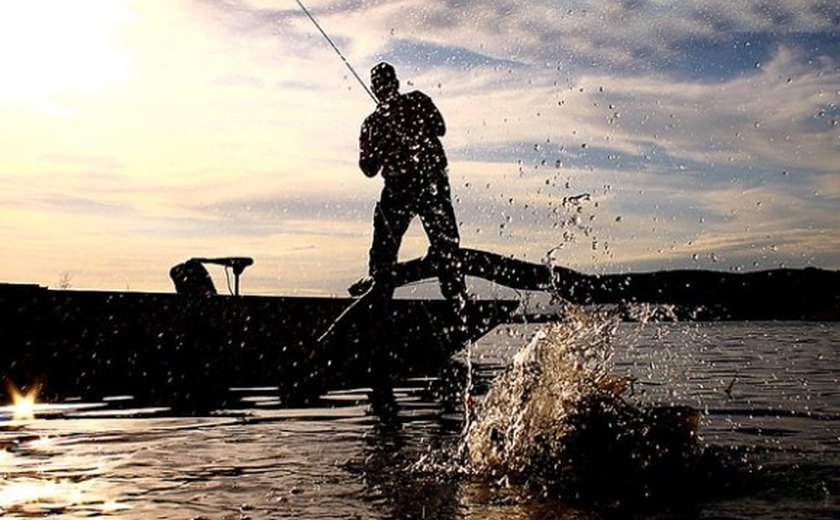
191, 277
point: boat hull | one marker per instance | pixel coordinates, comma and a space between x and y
174, 349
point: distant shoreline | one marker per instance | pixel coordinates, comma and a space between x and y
806, 294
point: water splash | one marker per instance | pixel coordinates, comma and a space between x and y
558, 415
530, 406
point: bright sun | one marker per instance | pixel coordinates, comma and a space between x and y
52, 48
23, 405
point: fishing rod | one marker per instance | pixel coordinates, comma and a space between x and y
337, 50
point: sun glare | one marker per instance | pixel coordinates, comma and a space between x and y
51, 48
23, 405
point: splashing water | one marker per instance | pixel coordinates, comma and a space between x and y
529, 408
557, 415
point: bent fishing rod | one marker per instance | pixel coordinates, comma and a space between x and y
337, 50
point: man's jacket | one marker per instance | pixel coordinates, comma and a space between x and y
402, 137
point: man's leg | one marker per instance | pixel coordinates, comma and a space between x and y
390, 222
441, 227
438, 219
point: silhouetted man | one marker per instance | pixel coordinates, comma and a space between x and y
401, 140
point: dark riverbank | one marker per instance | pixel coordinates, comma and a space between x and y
778, 294
809, 294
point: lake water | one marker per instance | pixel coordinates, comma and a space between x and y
768, 394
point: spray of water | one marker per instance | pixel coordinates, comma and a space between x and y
557, 414
527, 414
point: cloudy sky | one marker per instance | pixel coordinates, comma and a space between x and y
137, 134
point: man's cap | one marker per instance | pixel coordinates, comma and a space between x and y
383, 73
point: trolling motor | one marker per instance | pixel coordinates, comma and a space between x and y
191, 277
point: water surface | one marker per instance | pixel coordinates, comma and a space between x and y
768, 393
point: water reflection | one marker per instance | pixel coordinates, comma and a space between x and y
43, 476
411, 424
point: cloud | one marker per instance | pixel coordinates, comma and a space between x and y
233, 130
637, 35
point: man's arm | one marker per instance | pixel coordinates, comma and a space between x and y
431, 115
370, 160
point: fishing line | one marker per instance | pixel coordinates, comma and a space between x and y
337, 50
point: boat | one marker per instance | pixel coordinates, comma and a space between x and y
190, 347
